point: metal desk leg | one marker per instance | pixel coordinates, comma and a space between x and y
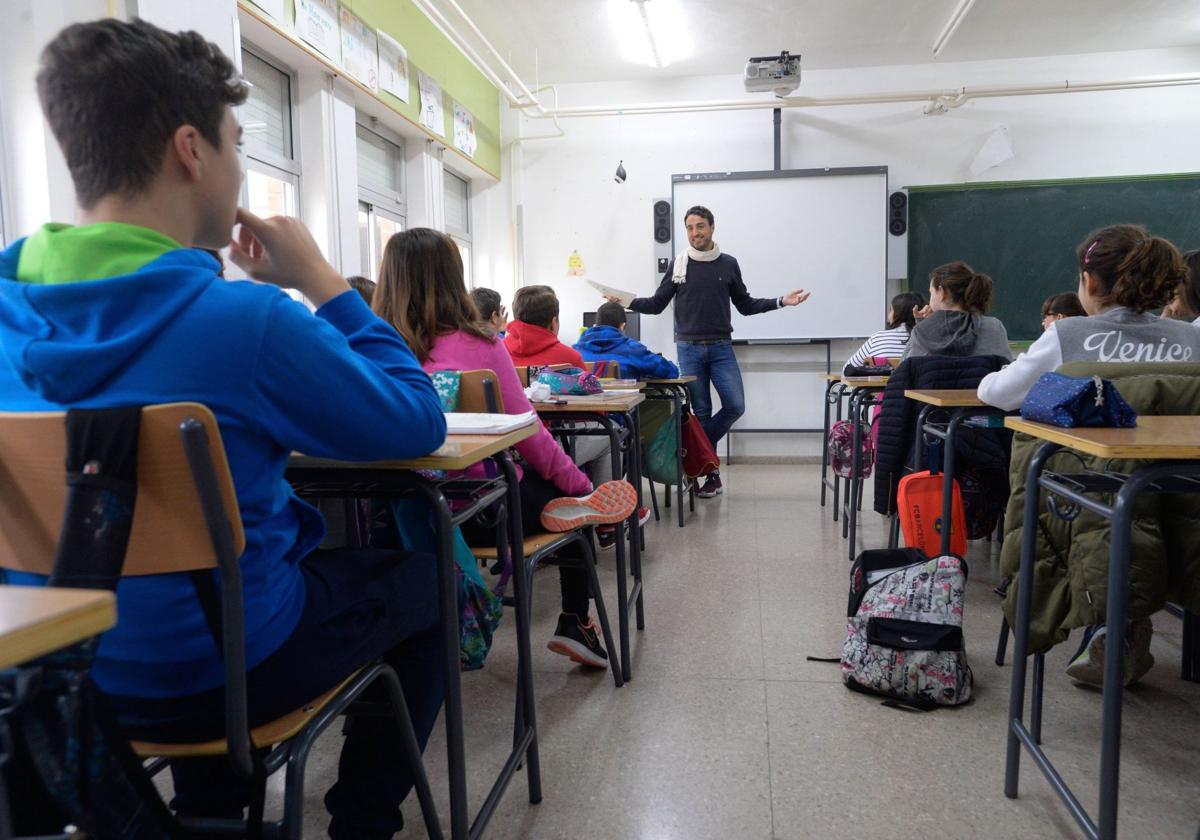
858, 407
635, 475
825, 444
677, 401
523, 610
614, 443
448, 596
1191, 647
1016, 699
956, 419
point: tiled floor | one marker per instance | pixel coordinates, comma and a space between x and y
726, 731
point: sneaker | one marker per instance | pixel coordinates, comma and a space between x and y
578, 641
1087, 665
711, 487
611, 502
1140, 659
606, 535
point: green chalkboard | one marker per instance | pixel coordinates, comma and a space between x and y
1024, 233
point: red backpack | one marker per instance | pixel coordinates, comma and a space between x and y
699, 457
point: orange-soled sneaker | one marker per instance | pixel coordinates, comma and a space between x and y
608, 504
578, 641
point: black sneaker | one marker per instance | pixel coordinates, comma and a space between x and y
606, 535
711, 487
579, 641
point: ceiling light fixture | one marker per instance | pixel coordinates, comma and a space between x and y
651, 32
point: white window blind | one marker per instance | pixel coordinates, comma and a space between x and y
379, 162
267, 114
457, 193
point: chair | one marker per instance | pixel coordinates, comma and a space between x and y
186, 519
477, 392
523, 371
604, 369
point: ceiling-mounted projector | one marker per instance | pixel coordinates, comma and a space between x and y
779, 74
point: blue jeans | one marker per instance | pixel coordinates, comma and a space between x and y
713, 365
361, 604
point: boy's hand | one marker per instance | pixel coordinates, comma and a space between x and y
281, 251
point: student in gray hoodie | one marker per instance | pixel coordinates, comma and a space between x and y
954, 323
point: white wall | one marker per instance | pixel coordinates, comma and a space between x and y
570, 200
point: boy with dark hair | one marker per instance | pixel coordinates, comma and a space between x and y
607, 341
532, 337
487, 301
363, 285
125, 309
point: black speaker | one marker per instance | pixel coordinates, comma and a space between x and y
662, 222
897, 213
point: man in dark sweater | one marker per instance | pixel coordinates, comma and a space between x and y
704, 282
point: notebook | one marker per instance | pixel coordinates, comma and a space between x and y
487, 424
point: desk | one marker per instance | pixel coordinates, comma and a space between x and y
324, 477
602, 411
962, 404
676, 391
36, 620
1172, 444
862, 390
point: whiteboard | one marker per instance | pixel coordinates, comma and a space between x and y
824, 230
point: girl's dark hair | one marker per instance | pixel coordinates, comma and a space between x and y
1133, 268
1191, 286
903, 305
1066, 304
959, 282
421, 290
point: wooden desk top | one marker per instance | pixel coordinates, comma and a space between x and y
947, 397
1154, 437
678, 380
612, 405
457, 453
36, 620
865, 381
832, 377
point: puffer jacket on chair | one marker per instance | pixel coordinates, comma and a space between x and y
898, 420
1071, 569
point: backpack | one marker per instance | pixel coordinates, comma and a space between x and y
699, 457
904, 628
661, 454
841, 448
984, 495
919, 506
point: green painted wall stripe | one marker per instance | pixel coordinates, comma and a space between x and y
429, 51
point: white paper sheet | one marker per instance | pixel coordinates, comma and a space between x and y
433, 115
393, 67
360, 53
464, 130
317, 24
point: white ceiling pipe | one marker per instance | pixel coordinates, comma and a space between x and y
956, 18
949, 98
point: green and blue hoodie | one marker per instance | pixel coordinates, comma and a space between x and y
113, 315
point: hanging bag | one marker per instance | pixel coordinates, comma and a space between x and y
1085, 401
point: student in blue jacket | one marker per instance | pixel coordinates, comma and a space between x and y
606, 341
127, 309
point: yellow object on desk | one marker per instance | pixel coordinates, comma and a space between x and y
36, 620
457, 453
946, 397
1163, 437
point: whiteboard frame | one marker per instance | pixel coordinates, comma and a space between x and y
766, 174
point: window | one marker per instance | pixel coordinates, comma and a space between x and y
381, 204
272, 165
457, 200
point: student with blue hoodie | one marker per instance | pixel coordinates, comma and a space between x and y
126, 309
606, 341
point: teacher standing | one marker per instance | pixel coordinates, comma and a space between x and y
704, 282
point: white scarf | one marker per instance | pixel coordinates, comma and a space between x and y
679, 274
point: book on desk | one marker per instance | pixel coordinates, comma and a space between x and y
487, 424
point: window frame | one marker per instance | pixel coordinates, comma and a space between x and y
394, 203
462, 237
268, 163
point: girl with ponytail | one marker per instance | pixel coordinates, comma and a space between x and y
956, 323
1126, 275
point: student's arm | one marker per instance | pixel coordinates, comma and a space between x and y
860, 355
541, 452
651, 365
343, 384
1007, 388
657, 302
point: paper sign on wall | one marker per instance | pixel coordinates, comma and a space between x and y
274, 8
393, 67
360, 54
433, 115
464, 130
317, 24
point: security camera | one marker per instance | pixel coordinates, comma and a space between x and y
620, 176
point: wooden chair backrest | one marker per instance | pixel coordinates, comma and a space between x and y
472, 399
604, 368
169, 533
